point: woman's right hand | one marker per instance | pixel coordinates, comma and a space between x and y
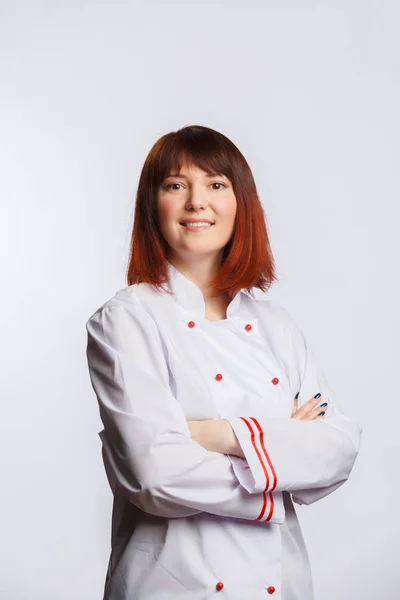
310, 411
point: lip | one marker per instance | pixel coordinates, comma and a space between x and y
196, 221
196, 228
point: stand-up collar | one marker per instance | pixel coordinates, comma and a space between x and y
190, 297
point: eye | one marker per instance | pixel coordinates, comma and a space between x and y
167, 187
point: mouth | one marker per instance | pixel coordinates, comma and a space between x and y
195, 228
196, 224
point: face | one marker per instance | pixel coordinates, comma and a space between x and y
195, 195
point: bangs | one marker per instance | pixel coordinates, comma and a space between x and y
194, 147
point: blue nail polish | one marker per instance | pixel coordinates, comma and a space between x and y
324, 404
321, 413
317, 395
297, 395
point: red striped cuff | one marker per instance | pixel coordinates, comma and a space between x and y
255, 472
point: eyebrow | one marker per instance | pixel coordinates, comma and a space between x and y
208, 175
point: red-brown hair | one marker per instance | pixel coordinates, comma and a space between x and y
247, 259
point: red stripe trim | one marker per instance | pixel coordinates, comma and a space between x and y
271, 511
252, 437
265, 452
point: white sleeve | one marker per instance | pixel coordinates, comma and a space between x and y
146, 440
310, 459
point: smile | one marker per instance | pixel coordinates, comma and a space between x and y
197, 226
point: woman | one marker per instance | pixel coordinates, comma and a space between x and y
215, 412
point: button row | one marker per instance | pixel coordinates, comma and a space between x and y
247, 327
218, 376
220, 585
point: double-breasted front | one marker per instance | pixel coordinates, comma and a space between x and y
192, 524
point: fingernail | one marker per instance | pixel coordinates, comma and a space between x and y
321, 413
324, 404
297, 395
317, 395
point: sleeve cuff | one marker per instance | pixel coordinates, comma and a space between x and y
255, 471
270, 506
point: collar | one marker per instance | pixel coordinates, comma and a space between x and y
190, 297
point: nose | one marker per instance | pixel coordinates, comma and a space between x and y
196, 199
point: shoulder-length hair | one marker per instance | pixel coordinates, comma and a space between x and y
247, 259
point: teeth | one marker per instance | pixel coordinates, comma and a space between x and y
197, 224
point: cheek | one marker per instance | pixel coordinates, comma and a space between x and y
228, 210
167, 210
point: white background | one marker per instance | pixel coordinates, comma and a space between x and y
309, 92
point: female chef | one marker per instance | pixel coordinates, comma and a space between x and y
216, 413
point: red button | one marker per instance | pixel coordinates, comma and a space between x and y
218, 377
270, 589
219, 586
275, 380
191, 324
248, 327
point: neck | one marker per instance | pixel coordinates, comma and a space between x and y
201, 272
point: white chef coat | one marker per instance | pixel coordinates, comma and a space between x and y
188, 523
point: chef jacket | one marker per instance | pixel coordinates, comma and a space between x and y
188, 523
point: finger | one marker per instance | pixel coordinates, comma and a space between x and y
319, 407
318, 413
309, 412
311, 403
314, 400
321, 414
308, 406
